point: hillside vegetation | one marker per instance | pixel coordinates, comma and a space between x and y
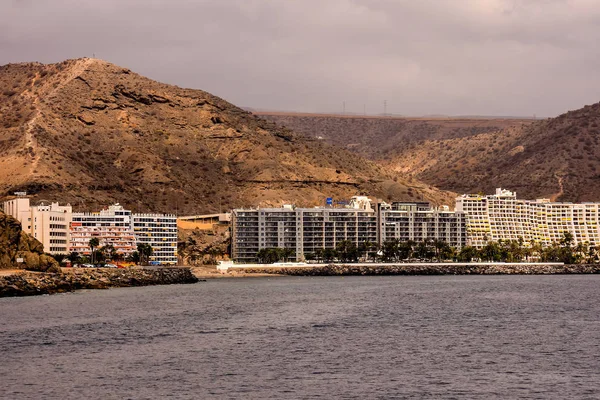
91, 133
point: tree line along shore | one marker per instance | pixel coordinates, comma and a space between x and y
390, 251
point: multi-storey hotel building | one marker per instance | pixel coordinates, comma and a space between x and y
305, 230
504, 217
61, 231
124, 231
419, 221
111, 226
160, 232
47, 223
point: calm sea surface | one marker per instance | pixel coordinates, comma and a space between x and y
352, 337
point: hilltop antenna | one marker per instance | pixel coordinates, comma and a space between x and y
365, 109
384, 108
344, 108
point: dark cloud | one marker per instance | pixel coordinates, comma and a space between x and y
492, 57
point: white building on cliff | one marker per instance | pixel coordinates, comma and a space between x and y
47, 223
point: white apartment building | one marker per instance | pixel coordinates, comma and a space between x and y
111, 226
124, 231
160, 232
419, 221
504, 217
49, 224
305, 230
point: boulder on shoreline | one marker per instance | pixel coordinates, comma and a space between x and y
15, 244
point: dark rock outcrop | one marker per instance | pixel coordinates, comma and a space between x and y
431, 269
14, 244
29, 284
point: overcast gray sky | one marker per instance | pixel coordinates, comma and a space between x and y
454, 57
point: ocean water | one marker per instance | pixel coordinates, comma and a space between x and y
492, 337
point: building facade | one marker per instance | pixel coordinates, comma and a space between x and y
306, 230
49, 224
419, 221
303, 230
124, 230
160, 232
504, 217
112, 226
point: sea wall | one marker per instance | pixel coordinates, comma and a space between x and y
33, 283
430, 269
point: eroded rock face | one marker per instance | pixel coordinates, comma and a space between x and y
14, 243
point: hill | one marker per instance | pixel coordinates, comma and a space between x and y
91, 133
383, 138
558, 158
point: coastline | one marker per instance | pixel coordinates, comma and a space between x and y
26, 283
214, 273
428, 269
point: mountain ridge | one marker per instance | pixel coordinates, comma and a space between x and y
90, 133
556, 158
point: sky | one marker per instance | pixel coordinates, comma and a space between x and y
421, 57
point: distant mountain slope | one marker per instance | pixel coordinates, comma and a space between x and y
557, 158
385, 137
90, 133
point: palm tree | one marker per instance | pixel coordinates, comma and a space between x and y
592, 255
390, 250
145, 252
287, 253
404, 250
581, 250
537, 250
364, 248
347, 251
93, 243
467, 253
109, 252
319, 254
442, 249
74, 257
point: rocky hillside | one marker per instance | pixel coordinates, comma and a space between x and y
14, 244
90, 133
558, 158
381, 138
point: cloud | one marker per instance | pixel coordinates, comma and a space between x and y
492, 57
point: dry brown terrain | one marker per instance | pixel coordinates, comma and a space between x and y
91, 133
557, 158
381, 138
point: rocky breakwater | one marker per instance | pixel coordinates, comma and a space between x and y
19, 250
34, 283
430, 269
